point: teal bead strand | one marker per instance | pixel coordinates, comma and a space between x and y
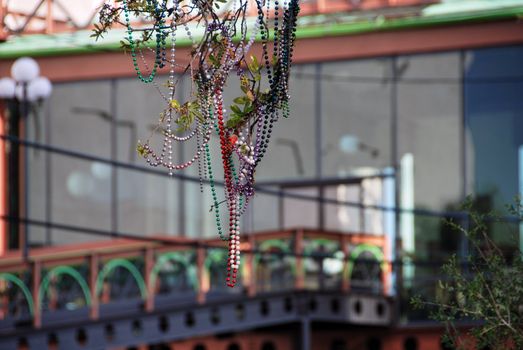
160, 38
215, 203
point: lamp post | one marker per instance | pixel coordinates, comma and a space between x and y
24, 88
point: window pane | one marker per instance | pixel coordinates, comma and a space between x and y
356, 117
81, 196
78, 117
429, 144
81, 190
300, 212
494, 105
147, 204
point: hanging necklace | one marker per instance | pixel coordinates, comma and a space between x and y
244, 128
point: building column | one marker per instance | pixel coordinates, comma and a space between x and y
3, 181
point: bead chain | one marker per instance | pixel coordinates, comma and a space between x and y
249, 146
160, 39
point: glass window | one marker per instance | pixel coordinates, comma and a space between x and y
494, 122
356, 139
80, 190
356, 117
79, 114
80, 197
300, 212
429, 144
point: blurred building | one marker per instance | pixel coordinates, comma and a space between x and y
400, 109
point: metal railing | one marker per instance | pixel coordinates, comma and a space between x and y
85, 279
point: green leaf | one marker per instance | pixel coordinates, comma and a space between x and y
274, 60
174, 104
140, 149
236, 109
234, 121
248, 109
214, 60
241, 100
254, 65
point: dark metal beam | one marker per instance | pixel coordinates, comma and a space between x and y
128, 324
305, 334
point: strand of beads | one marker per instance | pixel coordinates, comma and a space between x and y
233, 261
160, 40
226, 148
264, 37
256, 29
215, 205
160, 12
147, 68
294, 9
171, 95
200, 160
243, 146
276, 30
149, 153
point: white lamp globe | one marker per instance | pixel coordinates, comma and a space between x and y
25, 69
7, 88
40, 88
29, 96
349, 143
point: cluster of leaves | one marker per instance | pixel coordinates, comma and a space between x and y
245, 105
485, 291
110, 15
140, 149
187, 114
107, 16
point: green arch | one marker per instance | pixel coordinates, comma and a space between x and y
278, 243
177, 256
126, 264
356, 252
215, 255
63, 270
25, 291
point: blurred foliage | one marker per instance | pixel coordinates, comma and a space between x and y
481, 303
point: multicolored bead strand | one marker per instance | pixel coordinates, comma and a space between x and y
244, 134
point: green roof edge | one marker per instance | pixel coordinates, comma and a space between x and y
303, 32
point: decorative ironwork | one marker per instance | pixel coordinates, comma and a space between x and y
274, 261
50, 283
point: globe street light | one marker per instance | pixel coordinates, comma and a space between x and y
23, 88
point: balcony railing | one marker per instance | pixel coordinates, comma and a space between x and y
91, 280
